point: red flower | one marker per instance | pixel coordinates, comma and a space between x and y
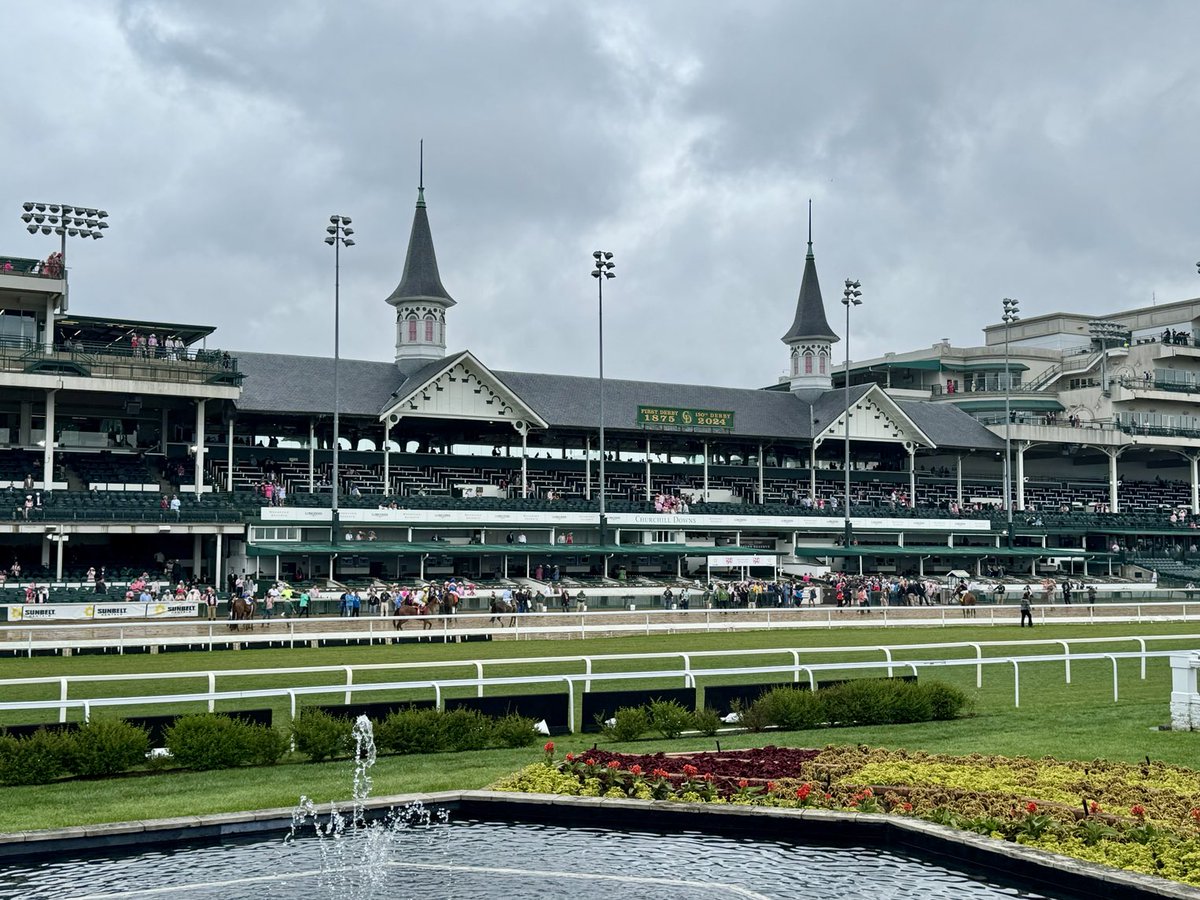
660, 773
635, 769
743, 783
1094, 807
613, 764
1138, 810
708, 776
906, 806
549, 746
770, 787
1031, 807
803, 791
829, 796
588, 761
570, 757
1195, 814
867, 792
690, 771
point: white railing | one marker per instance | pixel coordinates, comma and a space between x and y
589, 663
203, 634
689, 679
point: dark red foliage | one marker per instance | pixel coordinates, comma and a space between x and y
765, 763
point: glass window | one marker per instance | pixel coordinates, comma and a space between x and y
412, 329
808, 363
429, 329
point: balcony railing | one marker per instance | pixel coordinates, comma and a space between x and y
33, 268
108, 361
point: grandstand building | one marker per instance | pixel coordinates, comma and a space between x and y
129, 444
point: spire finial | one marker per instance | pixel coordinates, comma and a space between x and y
810, 253
421, 173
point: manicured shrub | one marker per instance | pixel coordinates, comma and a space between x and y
628, 724
945, 700
669, 718
265, 745
411, 730
37, 759
791, 709
207, 741
513, 730
320, 736
707, 721
105, 747
753, 717
863, 701
466, 729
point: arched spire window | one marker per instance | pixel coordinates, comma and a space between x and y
808, 363
795, 361
429, 329
412, 329
824, 360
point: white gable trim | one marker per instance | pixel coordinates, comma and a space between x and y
464, 388
876, 417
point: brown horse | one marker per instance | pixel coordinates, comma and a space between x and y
499, 609
968, 604
240, 610
407, 610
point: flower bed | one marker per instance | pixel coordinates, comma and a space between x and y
1144, 817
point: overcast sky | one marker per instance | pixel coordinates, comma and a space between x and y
956, 153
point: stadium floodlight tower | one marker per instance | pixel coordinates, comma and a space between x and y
339, 232
66, 221
1012, 309
602, 271
851, 296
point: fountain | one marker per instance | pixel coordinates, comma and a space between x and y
356, 851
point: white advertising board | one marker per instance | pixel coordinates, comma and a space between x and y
67, 612
737, 561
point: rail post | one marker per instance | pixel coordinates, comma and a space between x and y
1114, 662
62, 695
349, 682
212, 689
978, 666
1142, 644
479, 675
1016, 683
1067, 658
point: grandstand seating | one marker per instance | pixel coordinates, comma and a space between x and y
108, 471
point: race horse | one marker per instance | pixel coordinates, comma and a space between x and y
240, 610
408, 610
968, 604
499, 609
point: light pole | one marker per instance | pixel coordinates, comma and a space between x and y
850, 297
65, 221
602, 272
339, 232
1011, 309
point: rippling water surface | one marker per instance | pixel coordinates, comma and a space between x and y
466, 860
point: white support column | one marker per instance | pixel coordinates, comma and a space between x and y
387, 481
163, 432
1113, 500
524, 462
1192, 462
761, 484
199, 447
311, 444
958, 479
812, 472
48, 451
912, 476
587, 468
1021, 476
649, 491
197, 555
706, 471
48, 336
218, 560
229, 460
58, 560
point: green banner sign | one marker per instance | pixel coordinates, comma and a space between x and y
665, 416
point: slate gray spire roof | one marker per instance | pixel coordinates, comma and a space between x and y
421, 280
810, 322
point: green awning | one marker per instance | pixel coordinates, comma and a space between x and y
984, 366
943, 550
1016, 403
442, 548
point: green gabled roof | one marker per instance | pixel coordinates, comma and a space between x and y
996, 404
943, 550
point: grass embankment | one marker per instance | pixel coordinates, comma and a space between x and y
1075, 721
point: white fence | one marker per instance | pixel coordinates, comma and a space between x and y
31, 637
689, 673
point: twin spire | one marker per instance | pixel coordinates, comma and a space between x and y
420, 299
810, 322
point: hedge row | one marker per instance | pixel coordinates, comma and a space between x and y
104, 747
860, 702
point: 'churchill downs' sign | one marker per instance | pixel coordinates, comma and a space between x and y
684, 418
